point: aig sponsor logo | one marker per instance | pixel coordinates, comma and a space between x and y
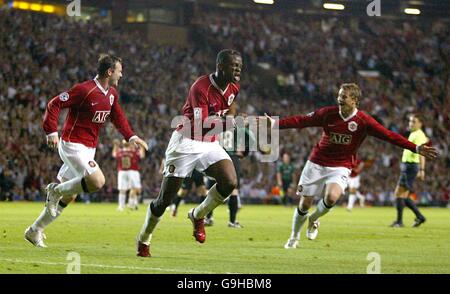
342, 139
100, 116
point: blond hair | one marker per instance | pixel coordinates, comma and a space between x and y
353, 90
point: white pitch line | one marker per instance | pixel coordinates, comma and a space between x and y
108, 266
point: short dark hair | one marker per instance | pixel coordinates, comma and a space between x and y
225, 55
105, 62
419, 116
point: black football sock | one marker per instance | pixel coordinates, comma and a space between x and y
400, 204
411, 205
177, 201
233, 207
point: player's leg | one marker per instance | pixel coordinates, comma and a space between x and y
169, 189
121, 200
336, 181
35, 233
226, 181
217, 164
361, 198
186, 186
309, 185
351, 198
411, 174
177, 166
233, 202
122, 186
202, 190
181, 194
132, 197
298, 220
286, 199
137, 187
137, 195
401, 193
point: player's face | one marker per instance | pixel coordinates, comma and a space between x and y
414, 123
345, 100
116, 74
232, 69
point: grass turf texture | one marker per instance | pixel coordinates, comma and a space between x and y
105, 240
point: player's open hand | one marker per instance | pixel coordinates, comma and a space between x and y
428, 152
138, 142
52, 141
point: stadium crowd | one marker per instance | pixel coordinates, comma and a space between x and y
304, 59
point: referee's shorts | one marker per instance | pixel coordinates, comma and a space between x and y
408, 173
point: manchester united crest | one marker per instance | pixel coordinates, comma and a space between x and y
352, 126
64, 96
111, 99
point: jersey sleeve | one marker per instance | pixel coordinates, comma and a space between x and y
67, 99
120, 121
313, 119
377, 130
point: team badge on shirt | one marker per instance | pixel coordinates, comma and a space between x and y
352, 126
64, 96
230, 99
111, 99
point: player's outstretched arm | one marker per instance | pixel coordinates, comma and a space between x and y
377, 130
427, 151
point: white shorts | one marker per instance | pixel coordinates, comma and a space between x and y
315, 177
183, 155
128, 179
78, 160
353, 182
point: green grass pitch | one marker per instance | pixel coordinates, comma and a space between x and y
105, 242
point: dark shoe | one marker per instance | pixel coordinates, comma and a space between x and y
396, 224
418, 222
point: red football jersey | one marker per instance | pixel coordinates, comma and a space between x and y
342, 137
128, 159
89, 107
207, 99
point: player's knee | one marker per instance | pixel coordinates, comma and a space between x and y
228, 185
96, 183
332, 197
